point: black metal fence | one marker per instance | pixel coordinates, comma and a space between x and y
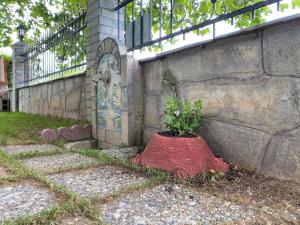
150, 22
57, 54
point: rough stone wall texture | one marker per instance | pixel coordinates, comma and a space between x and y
250, 87
63, 98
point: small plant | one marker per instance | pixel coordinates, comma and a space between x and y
123, 145
183, 120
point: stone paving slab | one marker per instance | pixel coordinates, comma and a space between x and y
12, 150
23, 199
166, 205
87, 144
97, 182
59, 162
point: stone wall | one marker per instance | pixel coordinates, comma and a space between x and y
62, 98
250, 86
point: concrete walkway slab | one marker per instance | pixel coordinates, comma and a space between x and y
13, 150
55, 163
166, 205
23, 199
97, 182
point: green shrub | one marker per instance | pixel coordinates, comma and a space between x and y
183, 120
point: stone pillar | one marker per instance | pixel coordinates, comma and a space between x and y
102, 22
18, 68
105, 36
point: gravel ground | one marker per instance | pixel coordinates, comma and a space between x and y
23, 199
12, 150
58, 162
74, 221
166, 204
98, 182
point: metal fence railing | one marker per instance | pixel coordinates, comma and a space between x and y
149, 22
58, 54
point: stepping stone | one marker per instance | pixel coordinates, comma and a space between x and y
166, 204
13, 150
56, 163
23, 199
123, 153
87, 144
97, 182
3, 172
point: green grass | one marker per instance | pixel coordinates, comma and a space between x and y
23, 128
35, 154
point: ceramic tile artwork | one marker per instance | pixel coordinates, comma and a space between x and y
109, 94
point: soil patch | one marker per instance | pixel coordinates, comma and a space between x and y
246, 187
175, 134
3, 172
76, 220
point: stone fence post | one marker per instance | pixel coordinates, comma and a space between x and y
105, 37
102, 22
18, 68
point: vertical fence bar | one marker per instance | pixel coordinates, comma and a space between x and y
71, 56
77, 44
83, 47
141, 21
125, 22
43, 59
54, 54
118, 21
171, 19
133, 23
150, 26
31, 65
48, 55
160, 20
